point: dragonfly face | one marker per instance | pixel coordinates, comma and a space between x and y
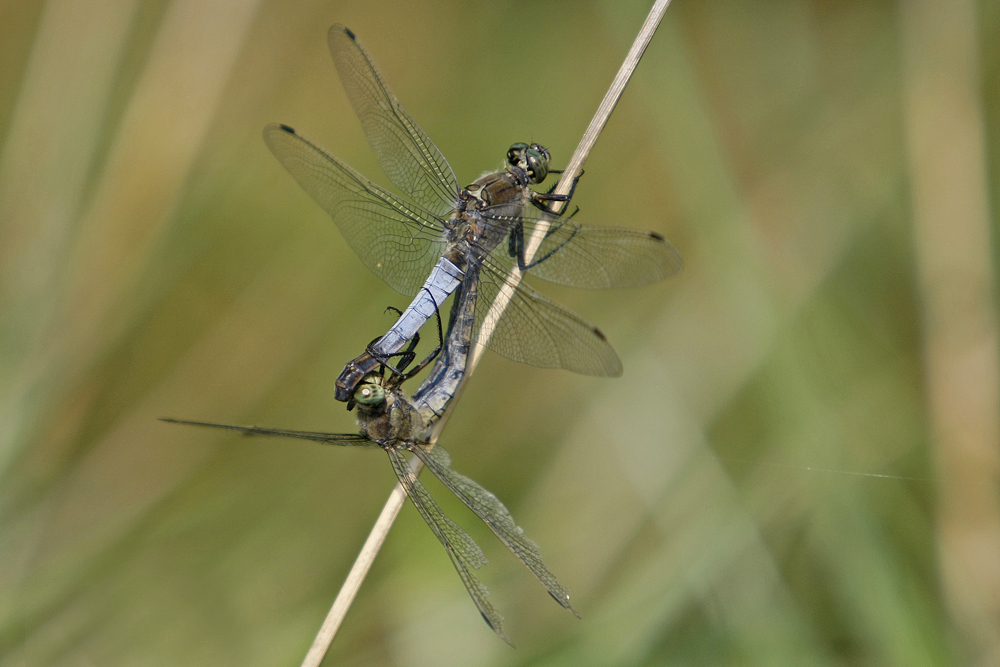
384, 413
533, 159
371, 392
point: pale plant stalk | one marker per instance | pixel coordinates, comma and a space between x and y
394, 504
955, 272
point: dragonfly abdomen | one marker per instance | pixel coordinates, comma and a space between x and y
443, 280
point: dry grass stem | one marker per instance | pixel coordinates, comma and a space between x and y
394, 504
960, 334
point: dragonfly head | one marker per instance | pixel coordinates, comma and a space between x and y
532, 158
369, 395
370, 391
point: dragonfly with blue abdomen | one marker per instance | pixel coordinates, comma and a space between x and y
425, 243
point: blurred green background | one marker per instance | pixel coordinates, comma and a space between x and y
811, 161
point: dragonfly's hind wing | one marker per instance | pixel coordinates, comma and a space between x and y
465, 554
496, 515
398, 241
535, 330
315, 436
406, 154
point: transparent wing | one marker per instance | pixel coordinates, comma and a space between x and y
398, 241
592, 257
325, 438
493, 512
461, 548
537, 331
407, 156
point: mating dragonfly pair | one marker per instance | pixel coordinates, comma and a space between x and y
440, 240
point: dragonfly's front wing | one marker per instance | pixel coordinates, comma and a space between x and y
399, 241
406, 154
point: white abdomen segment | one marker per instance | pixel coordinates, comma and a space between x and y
444, 279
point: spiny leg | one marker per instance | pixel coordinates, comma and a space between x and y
406, 356
515, 242
542, 200
435, 352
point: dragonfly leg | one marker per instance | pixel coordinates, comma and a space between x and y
576, 210
541, 199
406, 356
516, 244
434, 353
556, 184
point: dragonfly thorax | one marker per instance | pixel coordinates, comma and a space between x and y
388, 418
489, 204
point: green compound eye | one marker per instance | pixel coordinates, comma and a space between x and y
514, 154
538, 164
369, 394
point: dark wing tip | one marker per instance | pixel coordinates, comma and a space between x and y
612, 364
564, 602
286, 128
674, 261
497, 628
341, 28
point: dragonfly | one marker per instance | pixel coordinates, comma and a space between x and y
388, 419
425, 242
